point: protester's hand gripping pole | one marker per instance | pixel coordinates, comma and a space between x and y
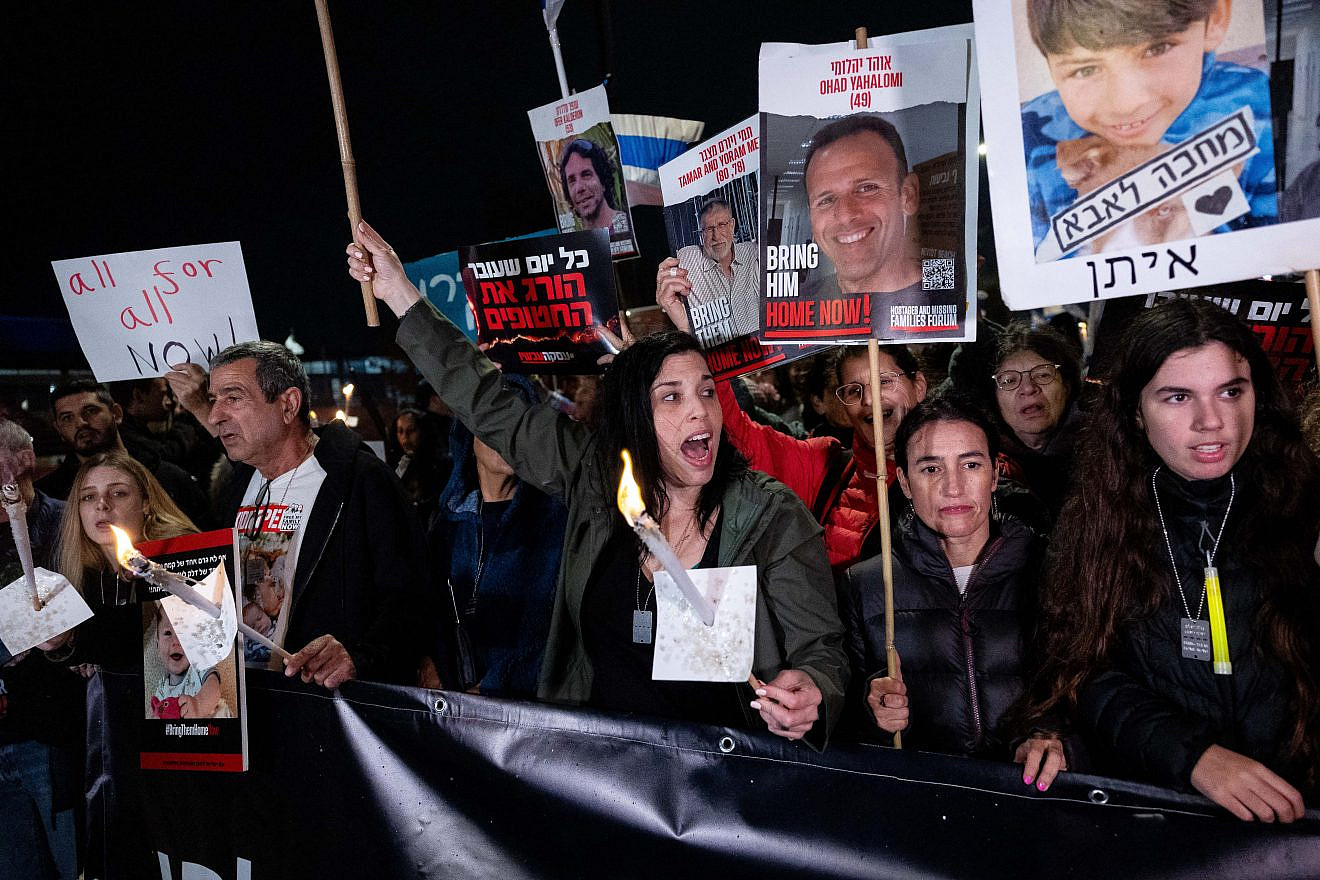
345, 147
882, 490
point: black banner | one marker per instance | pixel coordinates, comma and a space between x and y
391, 782
1278, 312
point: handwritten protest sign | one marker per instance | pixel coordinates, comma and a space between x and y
539, 302
894, 261
579, 154
1211, 189
140, 312
710, 195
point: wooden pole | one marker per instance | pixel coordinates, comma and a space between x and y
345, 147
882, 488
1313, 294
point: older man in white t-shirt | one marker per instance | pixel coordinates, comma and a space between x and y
331, 552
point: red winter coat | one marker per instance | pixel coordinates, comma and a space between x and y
848, 504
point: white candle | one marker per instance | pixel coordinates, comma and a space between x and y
17, 511
634, 511
649, 531
160, 576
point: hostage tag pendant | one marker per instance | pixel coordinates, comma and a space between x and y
1195, 639
642, 630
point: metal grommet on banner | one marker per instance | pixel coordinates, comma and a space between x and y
441, 705
1097, 796
726, 744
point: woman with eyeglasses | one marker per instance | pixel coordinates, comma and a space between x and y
110, 488
837, 485
1035, 384
1181, 597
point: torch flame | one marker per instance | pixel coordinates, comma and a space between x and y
630, 496
341, 415
124, 550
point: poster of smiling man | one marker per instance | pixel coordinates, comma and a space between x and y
1137, 146
580, 156
869, 189
710, 196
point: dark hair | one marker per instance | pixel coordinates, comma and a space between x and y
858, 123
1106, 567
599, 161
124, 390
631, 424
944, 408
460, 438
422, 398
1058, 25
821, 377
902, 355
427, 439
415, 414
81, 386
278, 370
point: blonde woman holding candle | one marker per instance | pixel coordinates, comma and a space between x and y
110, 488
1181, 593
659, 402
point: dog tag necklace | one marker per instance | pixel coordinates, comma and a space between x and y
1202, 639
643, 619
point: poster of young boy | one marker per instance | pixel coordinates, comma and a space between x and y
1133, 146
869, 189
580, 157
710, 196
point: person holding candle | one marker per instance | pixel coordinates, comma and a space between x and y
42, 735
1193, 485
710, 508
110, 488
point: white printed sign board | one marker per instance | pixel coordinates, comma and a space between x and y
1133, 166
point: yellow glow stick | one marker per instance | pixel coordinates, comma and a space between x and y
1218, 631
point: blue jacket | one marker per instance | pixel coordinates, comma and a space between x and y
508, 618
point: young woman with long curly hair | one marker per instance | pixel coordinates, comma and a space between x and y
1193, 460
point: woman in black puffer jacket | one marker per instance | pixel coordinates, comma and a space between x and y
965, 599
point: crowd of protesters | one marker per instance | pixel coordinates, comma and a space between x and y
1050, 533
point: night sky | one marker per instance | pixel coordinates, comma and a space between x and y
137, 126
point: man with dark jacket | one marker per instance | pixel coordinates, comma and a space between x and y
88, 419
331, 552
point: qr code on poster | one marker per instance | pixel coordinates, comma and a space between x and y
937, 274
